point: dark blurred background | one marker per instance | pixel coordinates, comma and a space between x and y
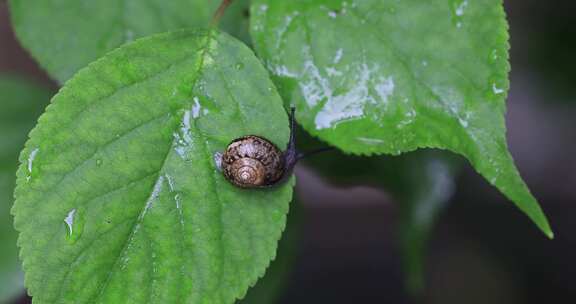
483, 250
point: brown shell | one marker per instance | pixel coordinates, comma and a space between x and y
252, 162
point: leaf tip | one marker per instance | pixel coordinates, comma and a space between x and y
544, 226
549, 233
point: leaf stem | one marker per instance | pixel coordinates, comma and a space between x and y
220, 11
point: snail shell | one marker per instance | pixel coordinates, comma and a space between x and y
253, 162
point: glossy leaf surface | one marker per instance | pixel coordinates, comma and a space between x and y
387, 77
119, 199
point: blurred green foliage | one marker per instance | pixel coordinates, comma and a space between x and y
421, 182
21, 102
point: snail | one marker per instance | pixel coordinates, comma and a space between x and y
255, 162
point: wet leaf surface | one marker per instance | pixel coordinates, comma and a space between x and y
387, 77
119, 199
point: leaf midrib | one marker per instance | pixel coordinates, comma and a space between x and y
113, 140
140, 218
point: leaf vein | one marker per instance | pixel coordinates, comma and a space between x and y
140, 218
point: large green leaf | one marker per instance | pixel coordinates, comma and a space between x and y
118, 197
21, 102
66, 35
376, 76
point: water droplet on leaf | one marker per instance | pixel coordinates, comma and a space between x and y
31, 159
458, 10
493, 56
74, 224
218, 160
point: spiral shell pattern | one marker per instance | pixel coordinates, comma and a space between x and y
252, 162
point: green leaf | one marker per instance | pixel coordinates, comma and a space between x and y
21, 102
65, 35
119, 199
269, 289
423, 191
372, 77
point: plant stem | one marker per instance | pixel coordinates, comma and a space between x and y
220, 11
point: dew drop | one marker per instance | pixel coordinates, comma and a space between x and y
460, 8
99, 162
31, 159
496, 90
493, 56
196, 108
69, 220
239, 66
218, 160
458, 12
74, 225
